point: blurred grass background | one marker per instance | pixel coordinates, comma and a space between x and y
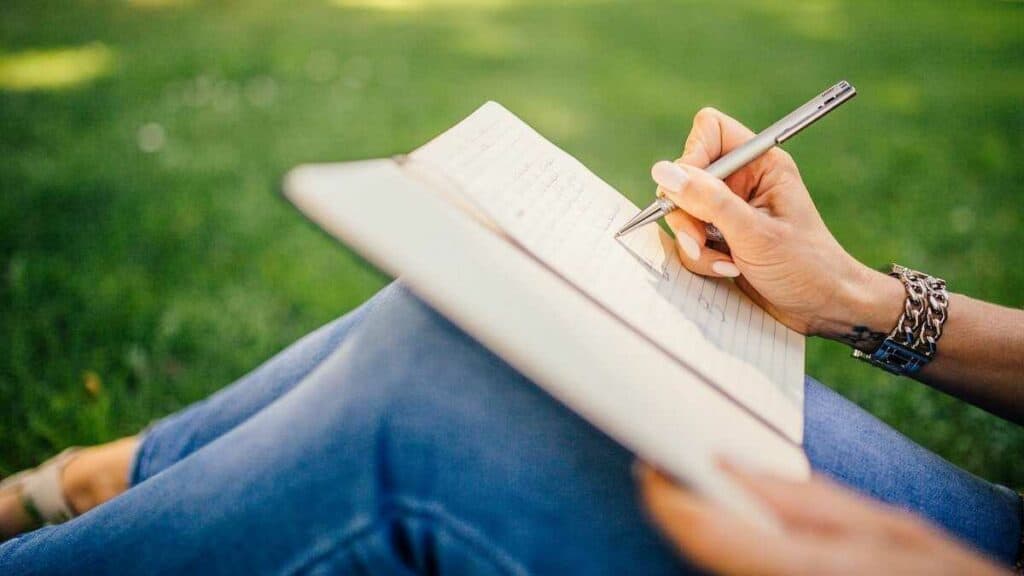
147, 259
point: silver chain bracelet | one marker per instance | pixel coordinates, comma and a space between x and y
913, 342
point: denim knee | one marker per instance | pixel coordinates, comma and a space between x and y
461, 433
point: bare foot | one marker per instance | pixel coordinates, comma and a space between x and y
98, 473
93, 476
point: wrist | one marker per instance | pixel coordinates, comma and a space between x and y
865, 309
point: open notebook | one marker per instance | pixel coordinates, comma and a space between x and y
513, 239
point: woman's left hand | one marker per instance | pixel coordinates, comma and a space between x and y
826, 529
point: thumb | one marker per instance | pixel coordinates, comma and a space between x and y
706, 198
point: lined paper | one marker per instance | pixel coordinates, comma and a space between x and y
551, 205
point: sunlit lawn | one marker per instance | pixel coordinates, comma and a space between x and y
146, 258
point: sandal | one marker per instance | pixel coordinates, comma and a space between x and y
40, 490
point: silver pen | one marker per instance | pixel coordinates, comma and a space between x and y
770, 137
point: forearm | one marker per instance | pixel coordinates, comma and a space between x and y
980, 356
791, 264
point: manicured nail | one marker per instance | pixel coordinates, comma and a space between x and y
689, 245
669, 176
727, 269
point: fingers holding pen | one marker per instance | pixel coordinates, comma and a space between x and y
703, 198
713, 135
695, 256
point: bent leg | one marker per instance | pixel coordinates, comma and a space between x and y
857, 449
410, 449
178, 435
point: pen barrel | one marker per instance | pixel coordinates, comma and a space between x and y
736, 159
743, 155
754, 148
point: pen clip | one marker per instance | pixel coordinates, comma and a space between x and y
818, 107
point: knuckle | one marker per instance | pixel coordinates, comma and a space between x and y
771, 196
705, 114
718, 201
781, 157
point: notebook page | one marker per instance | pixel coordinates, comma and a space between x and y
552, 206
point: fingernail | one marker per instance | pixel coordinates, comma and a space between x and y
727, 269
689, 245
669, 176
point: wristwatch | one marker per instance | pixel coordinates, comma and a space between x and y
894, 357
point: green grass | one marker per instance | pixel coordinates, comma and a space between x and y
167, 274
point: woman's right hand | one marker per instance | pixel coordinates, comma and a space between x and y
779, 248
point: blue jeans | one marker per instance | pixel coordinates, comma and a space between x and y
389, 442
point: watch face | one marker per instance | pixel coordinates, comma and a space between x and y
897, 358
894, 357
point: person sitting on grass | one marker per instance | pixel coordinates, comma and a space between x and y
390, 442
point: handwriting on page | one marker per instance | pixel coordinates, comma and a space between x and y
550, 204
